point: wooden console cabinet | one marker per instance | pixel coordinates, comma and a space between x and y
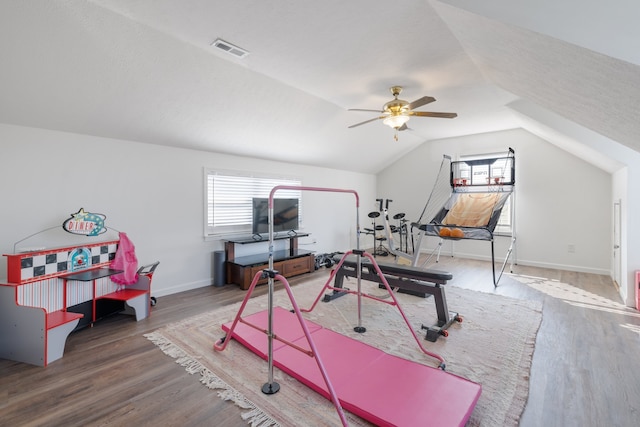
289, 262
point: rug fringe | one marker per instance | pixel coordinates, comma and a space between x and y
254, 416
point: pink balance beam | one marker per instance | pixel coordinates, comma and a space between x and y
381, 388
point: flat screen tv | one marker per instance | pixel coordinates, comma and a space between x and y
285, 215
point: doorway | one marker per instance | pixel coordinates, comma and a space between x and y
617, 261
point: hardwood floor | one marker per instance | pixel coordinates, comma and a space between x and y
585, 368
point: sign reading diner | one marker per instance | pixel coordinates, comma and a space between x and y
85, 223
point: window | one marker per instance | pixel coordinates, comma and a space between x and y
229, 199
505, 225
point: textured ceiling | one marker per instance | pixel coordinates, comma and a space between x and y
144, 70
594, 90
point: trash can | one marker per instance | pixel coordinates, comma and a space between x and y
219, 270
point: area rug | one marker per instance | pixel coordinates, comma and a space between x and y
493, 346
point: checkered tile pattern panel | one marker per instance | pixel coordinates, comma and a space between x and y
58, 263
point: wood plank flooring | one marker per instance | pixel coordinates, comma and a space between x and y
586, 369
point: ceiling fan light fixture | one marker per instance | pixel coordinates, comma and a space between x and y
397, 112
396, 122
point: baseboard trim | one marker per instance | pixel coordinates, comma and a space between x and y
181, 288
565, 267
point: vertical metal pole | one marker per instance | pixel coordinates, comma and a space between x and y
513, 227
357, 227
270, 387
493, 264
359, 328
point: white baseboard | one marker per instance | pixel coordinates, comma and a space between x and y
565, 267
576, 268
180, 288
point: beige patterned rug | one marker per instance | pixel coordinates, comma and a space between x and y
493, 346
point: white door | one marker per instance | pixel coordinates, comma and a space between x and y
617, 262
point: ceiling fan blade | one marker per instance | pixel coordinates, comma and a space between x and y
360, 109
367, 121
433, 114
422, 101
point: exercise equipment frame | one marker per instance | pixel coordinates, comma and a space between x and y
271, 386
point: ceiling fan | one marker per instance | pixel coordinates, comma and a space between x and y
396, 113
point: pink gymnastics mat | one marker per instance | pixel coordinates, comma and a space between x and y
381, 388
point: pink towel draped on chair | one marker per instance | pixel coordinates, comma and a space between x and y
126, 260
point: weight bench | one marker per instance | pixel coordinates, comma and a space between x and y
406, 279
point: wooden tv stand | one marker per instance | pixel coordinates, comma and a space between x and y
289, 262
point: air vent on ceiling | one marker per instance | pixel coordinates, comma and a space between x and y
236, 51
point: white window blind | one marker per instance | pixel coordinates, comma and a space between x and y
229, 199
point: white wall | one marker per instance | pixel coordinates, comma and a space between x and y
619, 160
153, 193
560, 200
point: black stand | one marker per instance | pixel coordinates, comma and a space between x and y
271, 388
402, 231
378, 248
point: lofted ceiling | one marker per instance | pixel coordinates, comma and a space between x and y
145, 70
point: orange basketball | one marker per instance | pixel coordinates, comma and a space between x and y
445, 232
457, 233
